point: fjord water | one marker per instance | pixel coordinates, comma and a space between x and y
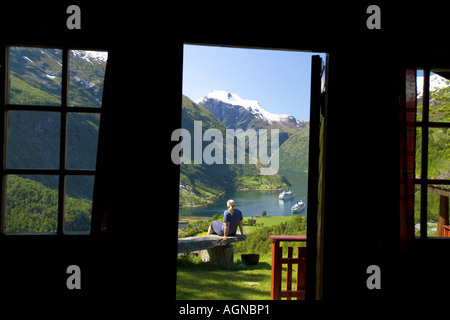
252, 203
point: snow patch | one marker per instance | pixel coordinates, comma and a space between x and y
26, 58
91, 55
251, 105
436, 82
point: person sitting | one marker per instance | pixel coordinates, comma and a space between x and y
232, 218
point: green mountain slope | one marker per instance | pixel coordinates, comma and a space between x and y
201, 183
35, 77
32, 207
294, 152
33, 137
293, 134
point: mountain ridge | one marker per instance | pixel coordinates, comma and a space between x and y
238, 113
200, 184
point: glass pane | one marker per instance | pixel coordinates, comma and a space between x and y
437, 208
419, 88
78, 204
33, 140
87, 74
417, 210
35, 76
30, 206
82, 140
439, 99
439, 153
418, 167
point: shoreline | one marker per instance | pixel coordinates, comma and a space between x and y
221, 196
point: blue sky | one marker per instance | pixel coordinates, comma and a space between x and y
279, 80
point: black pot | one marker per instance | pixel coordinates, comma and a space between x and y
252, 258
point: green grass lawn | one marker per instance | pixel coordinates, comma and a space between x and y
203, 281
266, 221
197, 280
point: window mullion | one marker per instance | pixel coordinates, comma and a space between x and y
63, 139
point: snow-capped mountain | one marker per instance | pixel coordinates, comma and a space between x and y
91, 56
436, 82
238, 113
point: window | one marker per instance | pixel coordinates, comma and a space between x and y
244, 98
431, 216
52, 109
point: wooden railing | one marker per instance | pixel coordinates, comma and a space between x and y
446, 231
276, 292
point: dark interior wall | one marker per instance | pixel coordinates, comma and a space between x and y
137, 184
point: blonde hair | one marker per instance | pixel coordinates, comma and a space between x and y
230, 205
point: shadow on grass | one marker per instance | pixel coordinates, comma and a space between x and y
204, 281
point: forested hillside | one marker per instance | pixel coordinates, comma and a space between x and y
294, 152
32, 207
33, 136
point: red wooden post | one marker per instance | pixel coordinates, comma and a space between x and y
443, 215
446, 231
289, 273
277, 261
301, 269
276, 271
